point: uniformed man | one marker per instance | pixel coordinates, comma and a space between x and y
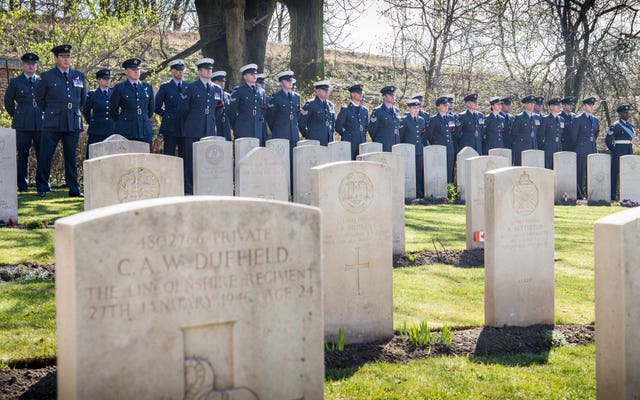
551, 132
353, 119
505, 111
584, 133
471, 124
384, 124
96, 110
261, 81
538, 102
442, 129
133, 104
568, 116
524, 132
167, 105
223, 126
248, 105
20, 103
618, 140
318, 116
494, 127
60, 94
198, 112
413, 128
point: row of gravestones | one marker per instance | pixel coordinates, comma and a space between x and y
212, 297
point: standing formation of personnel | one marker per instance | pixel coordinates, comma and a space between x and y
48, 109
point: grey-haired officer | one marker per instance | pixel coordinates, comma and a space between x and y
20, 103
584, 133
96, 110
567, 114
442, 129
133, 104
384, 124
413, 128
551, 132
353, 119
60, 94
524, 132
167, 106
505, 111
494, 127
318, 116
223, 126
198, 111
618, 140
471, 124
248, 105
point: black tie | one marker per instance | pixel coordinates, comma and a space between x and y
255, 89
415, 119
135, 86
180, 87
65, 76
289, 94
106, 93
31, 80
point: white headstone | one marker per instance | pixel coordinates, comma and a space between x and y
475, 167
408, 152
617, 288
564, 167
212, 138
533, 158
8, 173
357, 245
502, 153
599, 177
262, 174
435, 171
213, 167
117, 144
190, 298
243, 146
305, 158
340, 151
630, 178
369, 147
464, 154
396, 162
519, 247
122, 178
308, 142
281, 147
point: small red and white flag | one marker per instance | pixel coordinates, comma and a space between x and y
478, 236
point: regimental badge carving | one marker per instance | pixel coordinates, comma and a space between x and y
3, 144
138, 183
525, 195
355, 192
214, 154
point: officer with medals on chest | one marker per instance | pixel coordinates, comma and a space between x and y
318, 116
352, 120
551, 132
568, 116
20, 103
494, 127
442, 129
223, 127
384, 124
133, 104
198, 111
248, 105
618, 140
96, 110
505, 111
471, 123
412, 131
584, 133
60, 94
524, 133
167, 104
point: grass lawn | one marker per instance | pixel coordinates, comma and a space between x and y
439, 294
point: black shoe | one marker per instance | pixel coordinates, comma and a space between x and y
22, 190
76, 194
41, 194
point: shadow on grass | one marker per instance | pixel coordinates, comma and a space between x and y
514, 346
38, 243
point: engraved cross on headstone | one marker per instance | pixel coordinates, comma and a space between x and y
357, 266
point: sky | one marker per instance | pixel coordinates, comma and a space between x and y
369, 33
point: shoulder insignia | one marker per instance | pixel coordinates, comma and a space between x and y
373, 118
304, 112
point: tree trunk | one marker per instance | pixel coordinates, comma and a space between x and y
307, 49
257, 15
